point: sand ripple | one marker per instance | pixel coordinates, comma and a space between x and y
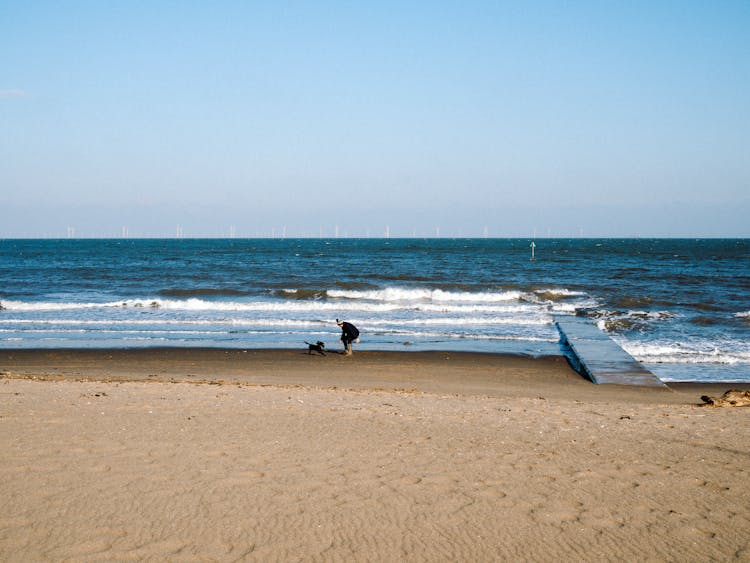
158, 471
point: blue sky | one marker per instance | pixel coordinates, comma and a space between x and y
457, 118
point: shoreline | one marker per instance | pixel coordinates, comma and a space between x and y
460, 373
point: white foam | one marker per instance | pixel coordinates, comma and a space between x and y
650, 314
400, 295
457, 336
508, 309
564, 308
52, 306
85, 322
447, 321
382, 300
462, 321
561, 292
195, 304
676, 353
160, 322
609, 317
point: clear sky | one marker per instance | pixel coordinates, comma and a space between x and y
459, 118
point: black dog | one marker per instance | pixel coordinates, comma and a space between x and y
318, 347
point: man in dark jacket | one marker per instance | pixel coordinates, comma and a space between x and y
349, 334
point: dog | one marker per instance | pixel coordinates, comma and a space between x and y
318, 347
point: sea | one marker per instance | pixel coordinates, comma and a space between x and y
680, 306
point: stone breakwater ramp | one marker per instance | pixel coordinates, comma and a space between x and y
600, 358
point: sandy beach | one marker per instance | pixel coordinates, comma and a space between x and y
259, 455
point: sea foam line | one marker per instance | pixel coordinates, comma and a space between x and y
219, 337
679, 354
448, 321
434, 295
195, 304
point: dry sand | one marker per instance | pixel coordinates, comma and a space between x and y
214, 455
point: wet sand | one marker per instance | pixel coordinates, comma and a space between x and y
195, 455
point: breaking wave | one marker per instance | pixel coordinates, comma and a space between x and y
399, 295
617, 321
676, 353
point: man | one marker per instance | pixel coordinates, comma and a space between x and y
349, 334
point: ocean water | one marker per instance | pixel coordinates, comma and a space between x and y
682, 307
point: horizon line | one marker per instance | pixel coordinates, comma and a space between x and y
384, 238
